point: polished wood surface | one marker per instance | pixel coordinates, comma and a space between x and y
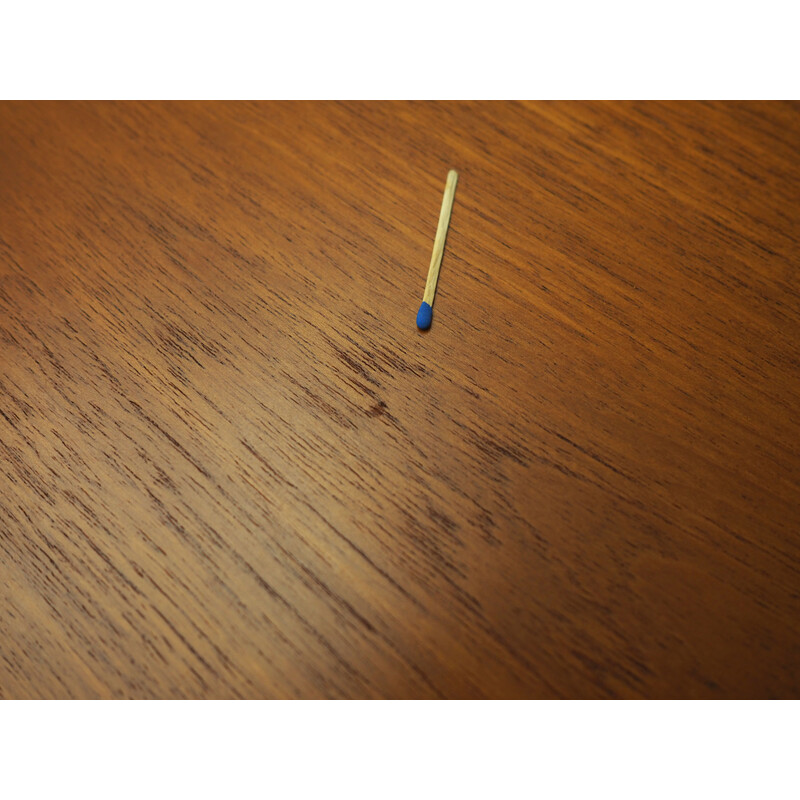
231, 465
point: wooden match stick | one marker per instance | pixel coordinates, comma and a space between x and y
425, 313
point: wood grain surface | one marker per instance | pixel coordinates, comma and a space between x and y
231, 466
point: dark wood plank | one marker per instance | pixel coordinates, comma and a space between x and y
231, 466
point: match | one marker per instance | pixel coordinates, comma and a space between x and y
425, 313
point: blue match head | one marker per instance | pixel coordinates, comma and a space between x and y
424, 317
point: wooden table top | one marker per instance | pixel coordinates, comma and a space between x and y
232, 467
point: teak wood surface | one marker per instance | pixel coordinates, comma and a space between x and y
231, 466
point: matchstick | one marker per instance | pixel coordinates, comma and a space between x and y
425, 313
